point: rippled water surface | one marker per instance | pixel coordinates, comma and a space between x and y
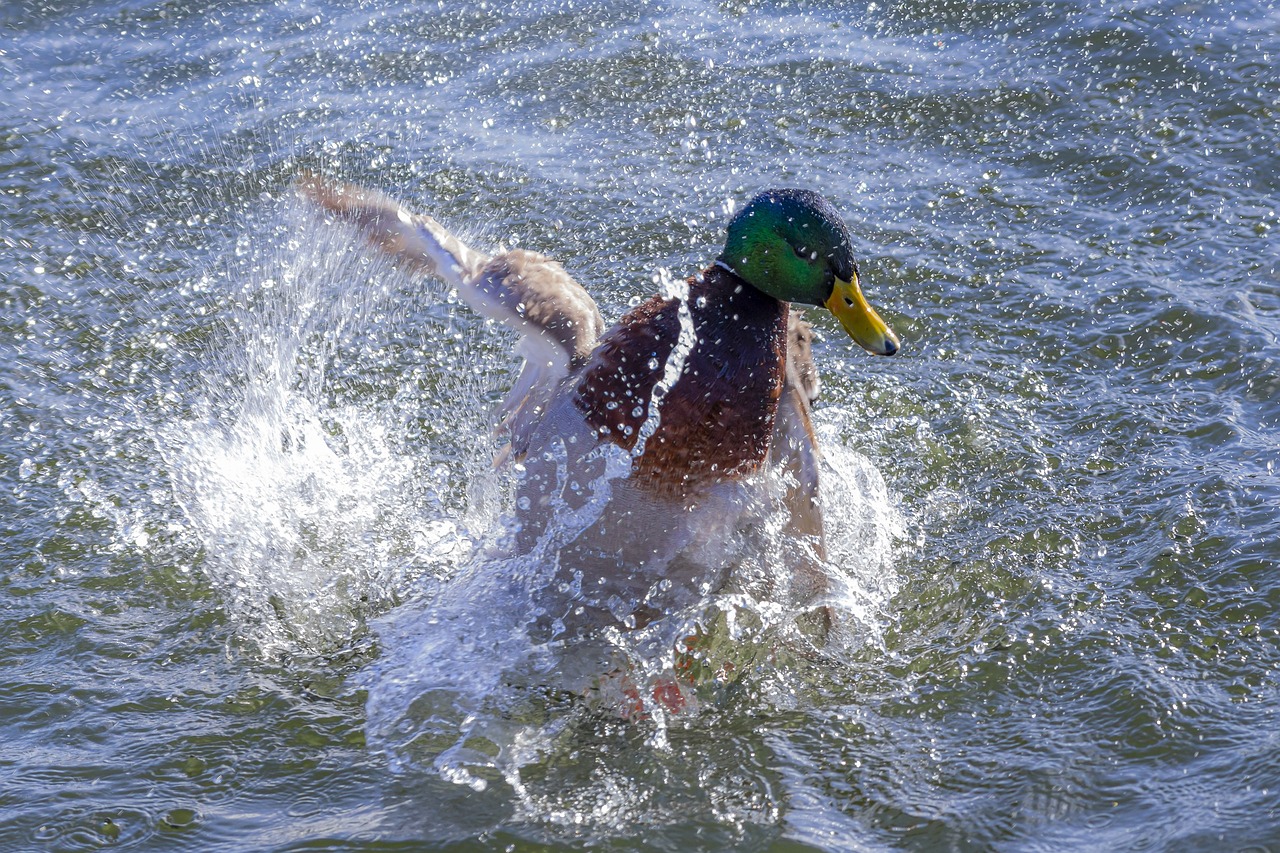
251, 583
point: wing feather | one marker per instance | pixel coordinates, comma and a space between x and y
558, 321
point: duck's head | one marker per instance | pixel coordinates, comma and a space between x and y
793, 245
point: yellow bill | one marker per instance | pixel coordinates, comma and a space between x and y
860, 320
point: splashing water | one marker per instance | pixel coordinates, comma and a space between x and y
326, 514
307, 503
678, 290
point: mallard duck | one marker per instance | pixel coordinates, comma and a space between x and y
641, 446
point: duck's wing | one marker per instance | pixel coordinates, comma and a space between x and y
417, 242
794, 449
556, 318
793, 446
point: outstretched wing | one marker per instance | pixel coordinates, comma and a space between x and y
556, 318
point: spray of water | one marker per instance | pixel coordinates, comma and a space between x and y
336, 469
312, 511
677, 290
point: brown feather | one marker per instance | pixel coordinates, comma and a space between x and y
539, 291
715, 422
800, 356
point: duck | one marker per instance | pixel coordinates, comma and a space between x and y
642, 446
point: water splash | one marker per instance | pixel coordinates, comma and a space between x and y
465, 678
677, 290
312, 510
325, 515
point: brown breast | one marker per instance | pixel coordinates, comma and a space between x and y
715, 421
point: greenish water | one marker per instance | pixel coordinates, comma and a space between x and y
243, 471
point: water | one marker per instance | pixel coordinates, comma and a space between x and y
253, 595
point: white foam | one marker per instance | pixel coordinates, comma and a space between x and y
312, 513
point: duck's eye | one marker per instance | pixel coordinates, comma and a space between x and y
804, 253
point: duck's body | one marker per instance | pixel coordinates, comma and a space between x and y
698, 437
656, 395
641, 445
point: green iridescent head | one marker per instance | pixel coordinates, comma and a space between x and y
793, 245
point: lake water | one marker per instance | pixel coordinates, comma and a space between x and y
247, 586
